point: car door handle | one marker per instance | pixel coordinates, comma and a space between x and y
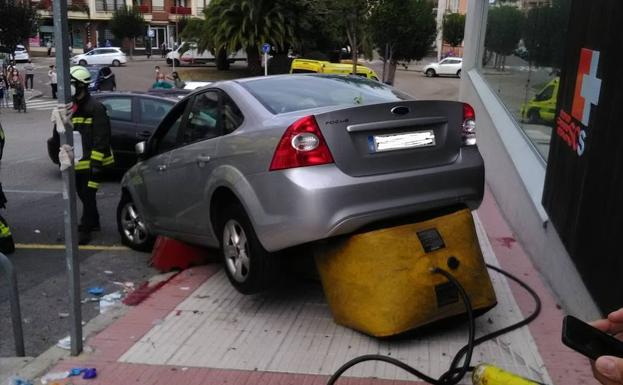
203, 158
161, 167
143, 134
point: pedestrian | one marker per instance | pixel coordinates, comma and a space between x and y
16, 83
91, 122
88, 47
157, 71
161, 82
49, 46
53, 80
177, 81
29, 69
148, 48
163, 49
4, 91
6, 239
108, 44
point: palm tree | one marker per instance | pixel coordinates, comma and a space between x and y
247, 24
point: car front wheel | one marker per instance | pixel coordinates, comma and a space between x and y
249, 267
116, 63
458, 73
131, 226
430, 72
82, 62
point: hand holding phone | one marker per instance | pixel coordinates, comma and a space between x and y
589, 341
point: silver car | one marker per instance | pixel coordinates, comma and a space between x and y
259, 165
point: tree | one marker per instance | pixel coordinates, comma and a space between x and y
351, 17
406, 28
17, 23
453, 29
544, 30
504, 28
247, 24
127, 23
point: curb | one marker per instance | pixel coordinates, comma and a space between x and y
41, 364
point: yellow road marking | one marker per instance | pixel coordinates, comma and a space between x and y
43, 246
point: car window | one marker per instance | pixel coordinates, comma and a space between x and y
299, 92
166, 136
152, 110
119, 108
203, 118
232, 116
546, 94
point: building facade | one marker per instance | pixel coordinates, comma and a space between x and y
88, 21
444, 7
546, 98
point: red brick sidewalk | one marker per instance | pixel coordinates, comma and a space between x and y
564, 366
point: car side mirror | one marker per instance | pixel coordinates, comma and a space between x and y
140, 149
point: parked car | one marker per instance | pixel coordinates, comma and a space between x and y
102, 78
255, 166
300, 66
21, 54
187, 53
106, 55
448, 66
133, 118
542, 107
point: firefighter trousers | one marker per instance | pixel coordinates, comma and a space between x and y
90, 216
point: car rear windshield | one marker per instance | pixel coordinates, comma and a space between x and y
300, 92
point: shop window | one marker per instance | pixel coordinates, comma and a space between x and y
521, 61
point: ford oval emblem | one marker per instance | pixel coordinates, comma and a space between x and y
400, 110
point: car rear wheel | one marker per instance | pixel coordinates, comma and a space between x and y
116, 63
249, 267
131, 226
82, 62
430, 73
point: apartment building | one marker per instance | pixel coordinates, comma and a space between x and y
89, 19
444, 7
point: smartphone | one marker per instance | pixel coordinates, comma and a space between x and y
591, 342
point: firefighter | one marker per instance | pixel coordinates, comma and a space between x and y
91, 121
6, 239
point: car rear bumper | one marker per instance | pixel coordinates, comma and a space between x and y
302, 205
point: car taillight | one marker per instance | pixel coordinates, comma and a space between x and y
468, 130
301, 145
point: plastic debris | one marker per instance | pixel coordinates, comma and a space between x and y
107, 272
65, 343
14, 380
110, 300
90, 299
63, 315
96, 290
37, 231
76, 371
54, 376
184, 288
89, 373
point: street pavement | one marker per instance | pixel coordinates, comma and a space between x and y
35, 210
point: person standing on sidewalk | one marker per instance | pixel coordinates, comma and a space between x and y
4, 91
53, 80
91, 121
29, 69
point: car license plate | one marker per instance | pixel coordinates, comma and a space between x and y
380, 143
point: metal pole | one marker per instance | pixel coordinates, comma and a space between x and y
175, 41
265, 63
385, 62
16, 313
61, 35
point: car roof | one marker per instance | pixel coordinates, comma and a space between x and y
170, 97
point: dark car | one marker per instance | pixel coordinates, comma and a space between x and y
102, 78
133, 117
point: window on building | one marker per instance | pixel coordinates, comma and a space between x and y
157, 5
521, 61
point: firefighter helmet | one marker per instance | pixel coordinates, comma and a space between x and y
80, 74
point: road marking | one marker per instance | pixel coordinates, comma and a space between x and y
44, 192
42, 104
43, 246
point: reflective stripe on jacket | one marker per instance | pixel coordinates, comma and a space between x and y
91, 120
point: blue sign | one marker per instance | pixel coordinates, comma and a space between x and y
265, 47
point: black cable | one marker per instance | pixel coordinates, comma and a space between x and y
454, 374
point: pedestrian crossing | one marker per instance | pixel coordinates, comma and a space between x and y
39, 104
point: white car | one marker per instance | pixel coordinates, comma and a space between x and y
448, 66
21, 54
105, 55
187, 53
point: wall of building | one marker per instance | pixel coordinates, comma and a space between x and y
515, 174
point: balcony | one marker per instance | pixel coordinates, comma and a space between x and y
180, 10
144, 8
